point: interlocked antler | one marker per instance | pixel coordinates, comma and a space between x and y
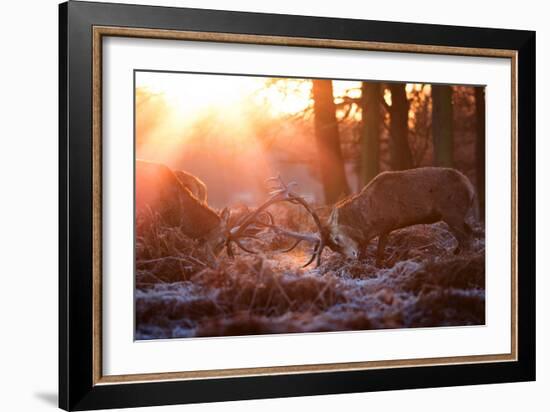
247, 227
282, 192
296, 199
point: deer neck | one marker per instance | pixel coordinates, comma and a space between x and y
353, 214
198, 219
347, 214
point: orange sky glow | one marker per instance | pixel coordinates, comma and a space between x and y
187, 93
240, 124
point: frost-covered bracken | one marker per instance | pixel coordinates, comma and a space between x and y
424, 284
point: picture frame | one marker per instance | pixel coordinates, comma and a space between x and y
83, 26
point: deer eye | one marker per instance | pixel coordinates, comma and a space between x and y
336, 239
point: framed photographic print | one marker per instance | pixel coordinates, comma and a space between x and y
257, 205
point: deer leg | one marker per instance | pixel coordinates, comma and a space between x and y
363, 252
461, 233
211, 256
469, 236
382, 240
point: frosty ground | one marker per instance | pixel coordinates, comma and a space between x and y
180, 293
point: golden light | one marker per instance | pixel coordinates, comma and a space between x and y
214, 125
174, 107
387, 97
348, 88
285, 96
187, 93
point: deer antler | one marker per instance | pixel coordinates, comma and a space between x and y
252, 228
320, 243
282, 192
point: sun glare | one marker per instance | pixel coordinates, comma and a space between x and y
187, 94
236, 111
191, 93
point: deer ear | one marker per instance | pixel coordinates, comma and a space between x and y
225, 214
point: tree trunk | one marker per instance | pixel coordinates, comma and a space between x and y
370, 133
480, 148
400, 152
442, 125
331, 162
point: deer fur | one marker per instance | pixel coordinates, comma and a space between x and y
194, 184
159, 190
393, 200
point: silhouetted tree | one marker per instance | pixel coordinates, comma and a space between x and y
480, 148
420, 125
370, 132
442, 125
327, 136
400, 152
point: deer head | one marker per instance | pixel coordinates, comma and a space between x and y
342, 238
339, 237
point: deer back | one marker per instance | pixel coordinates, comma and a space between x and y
158, 190
398, 199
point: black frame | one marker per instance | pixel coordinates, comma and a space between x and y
76, 388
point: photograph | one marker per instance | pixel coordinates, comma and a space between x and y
270, 205
260, 205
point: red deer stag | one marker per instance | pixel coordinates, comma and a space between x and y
395, 200
159, 191
392, 200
